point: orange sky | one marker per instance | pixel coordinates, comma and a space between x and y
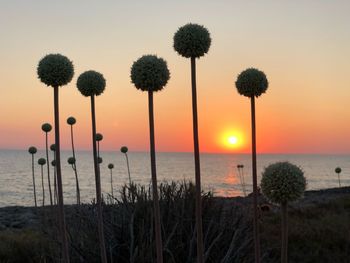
302, 47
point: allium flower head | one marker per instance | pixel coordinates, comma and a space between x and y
55, 70
41, 161
124, 149
99, 159
192, 40
338, 170
53, 163
53, 147
71, 120
46, 127
110, 166
283, 182
91, 83
71, 160
99, 137
32, 150
150, 73
251, 82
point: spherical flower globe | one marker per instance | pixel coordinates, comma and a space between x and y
71, 120
41, 161
71, 160
32, 150
91, 83
110, 166
192, 40
124, 149
251, 82
55, 70
283, 182
53, 147
46, 127
150, 73
53, 163
338, 170
99, 137
99, 159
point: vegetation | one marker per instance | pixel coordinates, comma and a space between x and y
91, 84
46, 127
193, 41
125, 150
42, 162
56, 70
32, 150
338, 171
150, 73
252, 83
110, 167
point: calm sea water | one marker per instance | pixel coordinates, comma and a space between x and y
219, 172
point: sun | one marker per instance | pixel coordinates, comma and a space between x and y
232, 140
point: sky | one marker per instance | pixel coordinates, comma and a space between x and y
302, 46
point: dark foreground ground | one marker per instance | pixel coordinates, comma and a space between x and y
319, 229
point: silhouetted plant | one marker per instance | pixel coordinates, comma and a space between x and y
91, 84
53, 163
56, 70
241, 177
71, 121
72, 161
193, 41
252, 83
150, 73
125, 150
46, 127
99, 159
32, 150
281, 183
338, 171
110, 167
42, 162
99, 137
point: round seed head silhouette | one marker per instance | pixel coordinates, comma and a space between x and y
42, 161
150, 73
283, 182
338, 170
192, 40
53, 163
46, 127
91, 83
110, 166
124, 149
53, 147
55, 70
71, 160
251, 82
71, 120
32, 150
99, 137
99, 159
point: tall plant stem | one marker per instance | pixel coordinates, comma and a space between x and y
55, 198
284, 250
156, 210
200, 250
339, 179
127, 164
255, 185
61, 217
48, 167
42, 183
75, 166
34, 181
98, 185
112, 183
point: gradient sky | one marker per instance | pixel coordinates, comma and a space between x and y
302, 46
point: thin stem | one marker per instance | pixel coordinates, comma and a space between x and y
255, 184
55, 181
48, 166
339, 179
75, 166
34, 181
127, 164
111, 183
284, 249
200, 250
156, 209
42, 183
98, 185
61, 217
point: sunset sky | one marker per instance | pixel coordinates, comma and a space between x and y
302, 46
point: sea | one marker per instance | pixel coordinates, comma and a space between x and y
219, 173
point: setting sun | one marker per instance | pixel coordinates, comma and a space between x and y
231, 139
